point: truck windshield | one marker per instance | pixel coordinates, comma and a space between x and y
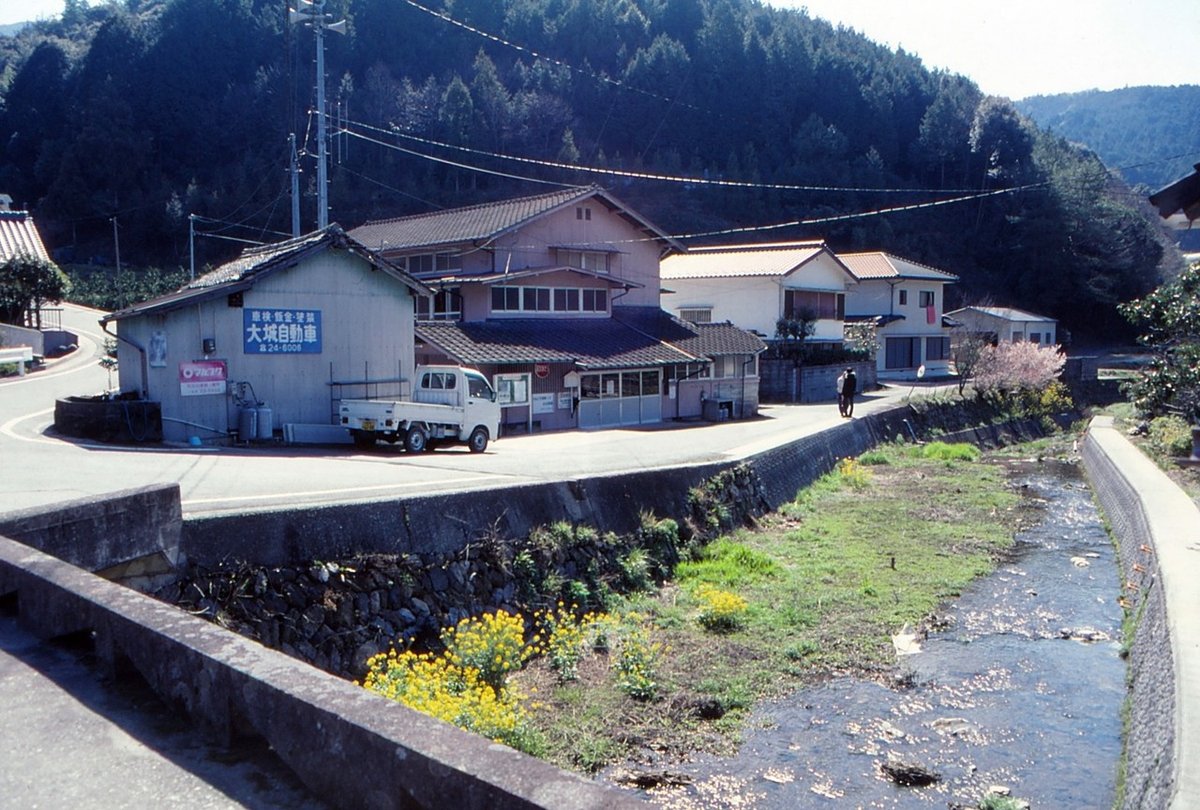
478, 388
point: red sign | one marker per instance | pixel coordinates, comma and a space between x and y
541, 370
198, 377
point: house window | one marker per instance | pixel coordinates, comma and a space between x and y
937, 348
825, 305
548, 299
925, 298
729, 366
594, 260
428, 263
584, 214
595, 300
445, 305
903, 301
1035, 337
688, 371
536, 299
902, 353
696, 314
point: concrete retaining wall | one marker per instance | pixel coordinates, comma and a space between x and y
1157, 528
440, 525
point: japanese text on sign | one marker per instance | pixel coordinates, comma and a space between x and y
282, 331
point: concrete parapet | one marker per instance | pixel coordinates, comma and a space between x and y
133, 532
349, 746
1157, 527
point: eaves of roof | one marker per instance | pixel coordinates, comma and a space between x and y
259, 262
527, 273
880, 265
1006, 314
742, 261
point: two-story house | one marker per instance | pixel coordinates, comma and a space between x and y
556, 298
904, 300
756, 285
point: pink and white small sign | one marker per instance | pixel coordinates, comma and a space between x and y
200, 377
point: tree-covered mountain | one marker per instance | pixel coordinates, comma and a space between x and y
1151, 135
118, 122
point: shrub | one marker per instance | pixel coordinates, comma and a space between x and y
493, 645
959, 451
1170, 436
637, 664
720, 611
636, 574
467, 684
853, 474
566, 637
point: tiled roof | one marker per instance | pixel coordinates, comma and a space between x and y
634, 336
1005, 314
257, 262
740, 260
699, 339
885, 265
484, 222
588, 343
19, 237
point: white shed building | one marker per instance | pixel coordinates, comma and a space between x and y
284, 329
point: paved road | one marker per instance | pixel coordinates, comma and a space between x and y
41, 467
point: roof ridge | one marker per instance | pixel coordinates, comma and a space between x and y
566, 193
747, 247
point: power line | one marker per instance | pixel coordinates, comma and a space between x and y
453, 163
666, 178
964, 197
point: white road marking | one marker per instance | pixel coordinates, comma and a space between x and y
426, 483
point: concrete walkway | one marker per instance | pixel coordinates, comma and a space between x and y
1158, 528
70, 738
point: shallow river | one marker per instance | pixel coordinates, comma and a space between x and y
1007, 695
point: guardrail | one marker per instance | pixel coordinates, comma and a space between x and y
20, 355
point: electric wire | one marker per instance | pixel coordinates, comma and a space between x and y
666, 178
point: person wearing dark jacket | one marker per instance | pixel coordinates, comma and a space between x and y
849, 388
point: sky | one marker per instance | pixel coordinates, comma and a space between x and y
1013, 48
1020, 48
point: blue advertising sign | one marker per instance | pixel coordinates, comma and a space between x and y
281, 331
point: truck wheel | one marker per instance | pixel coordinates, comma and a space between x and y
479, 440
363, 438
416, 440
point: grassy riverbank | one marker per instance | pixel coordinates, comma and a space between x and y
816, 589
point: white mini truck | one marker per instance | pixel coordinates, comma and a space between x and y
449, 404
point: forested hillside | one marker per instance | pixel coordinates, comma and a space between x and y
1150, 134
119, 122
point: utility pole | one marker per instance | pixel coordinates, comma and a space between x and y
313, 14
116, 245
295, 172
192, 246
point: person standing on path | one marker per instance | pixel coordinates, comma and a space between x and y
849, 388
838, 386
